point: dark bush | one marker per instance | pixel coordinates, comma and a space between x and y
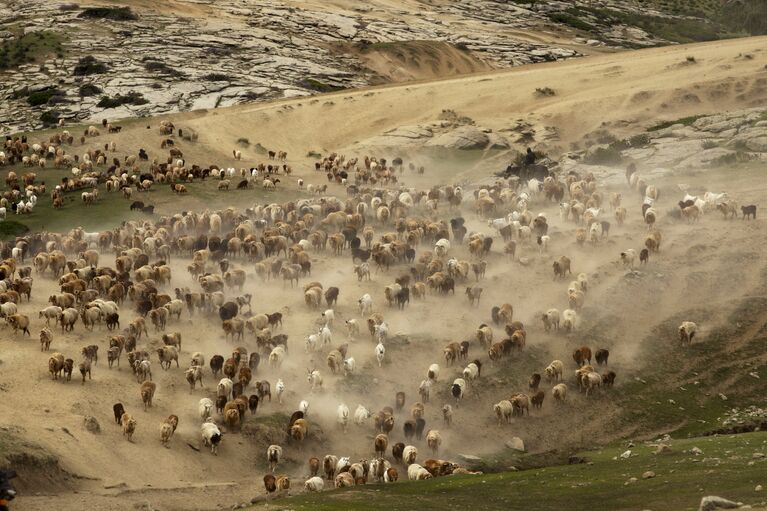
109, 13
132, 98
88, 65
41, 97
89, 89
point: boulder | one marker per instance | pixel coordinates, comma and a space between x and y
516, 444
710, 503
462, 138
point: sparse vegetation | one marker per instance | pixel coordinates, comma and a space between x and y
109, 13
42, 97
132, 98
243, 142
10, 229
545, 92
50, 117
30, 48
216, 77
691, 59
685, 121
316, 85
89, 65
610, 155
571, 20
156, 66
89, 89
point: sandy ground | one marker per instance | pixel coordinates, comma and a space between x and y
691, 270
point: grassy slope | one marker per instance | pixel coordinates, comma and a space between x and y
574, 487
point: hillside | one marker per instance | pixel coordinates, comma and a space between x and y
682, 101
136, 58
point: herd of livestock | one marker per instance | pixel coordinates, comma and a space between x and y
122, 280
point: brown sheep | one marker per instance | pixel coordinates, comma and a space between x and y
537, 399
601, 356
520, 403
582, 355
147, 393
19, 322
314, 466
129, 426
381, 443
299, 430
85, 368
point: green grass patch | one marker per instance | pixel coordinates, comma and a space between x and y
685, 121
109, 13
316, 85
30, 48
571, 20
575, 487
9, 229
677, 29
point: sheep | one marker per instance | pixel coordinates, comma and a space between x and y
471, 372
315, 379
118, 409
416, 472
503, 411
352, 328
687, 331
458, 388
628, 258
329, 463
19, 322
211, 435
520, 403
555, 370
409, 455
381, 442
85, 368
46, 337
690, 213
537, 399
342, 416
167, 428
129, 426
474, 293
434, 441
280, 387
147, 393
433, 373
582, 356
204, 408
314, 484
424, 390
273, 455
561, 267
644, 256
380, 352
601, 356
591, 381
193, 375
570, 320
361, 414
748, 211
344, 480
551, 319
365, 304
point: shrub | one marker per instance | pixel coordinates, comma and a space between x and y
640, 140
50, 117
89, 89
243, 142
316, 85
161, 67
216, 77
41, 97
11, 229
109, 13
88, 65
570, 20
545, 91
132, 98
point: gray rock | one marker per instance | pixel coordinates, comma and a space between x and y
711, 503
469, 457
462, 138
516, 444
92, 424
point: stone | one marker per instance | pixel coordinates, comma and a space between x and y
516, 444
92, 424
663, 449
648, 475
696, 451
710, 503
626, 455
462, 138
758, 487
469, 457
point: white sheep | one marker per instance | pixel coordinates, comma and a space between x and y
381, 332
441, 248
503, 410
554, 370
551, 319
424, 390
314, 484
352, 328
628, 257
416, 472
433, 373
276, 357
311, 343
569, 320
280, 386
349, 365
329, 316
409, 454
326, 336
687, 331
273, 455
303, 406
315, 379
342, 416
380, 353
471, 372
204, 408
361, 414
366, 305
211, 435
559, 392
